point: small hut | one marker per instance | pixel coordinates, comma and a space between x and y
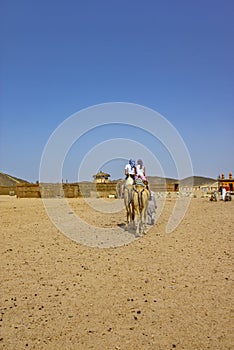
101, 177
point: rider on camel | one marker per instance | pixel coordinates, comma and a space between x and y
140, 173
140, 170
130, 169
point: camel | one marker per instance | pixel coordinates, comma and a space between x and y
140, 197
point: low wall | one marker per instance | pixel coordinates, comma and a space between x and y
8, 190
73, 190
164, 187
28, 191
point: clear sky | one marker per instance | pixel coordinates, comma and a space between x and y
173, 56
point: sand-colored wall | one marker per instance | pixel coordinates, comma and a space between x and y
73, 190
5, 190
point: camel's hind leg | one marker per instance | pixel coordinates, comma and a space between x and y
137, 222
128, 221
143, 221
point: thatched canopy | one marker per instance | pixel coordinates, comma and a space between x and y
101, 175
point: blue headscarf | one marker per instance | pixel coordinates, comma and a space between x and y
132, 163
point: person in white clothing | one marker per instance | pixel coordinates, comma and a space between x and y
140, 170
224, 193
151, 209
141, 173
130, 169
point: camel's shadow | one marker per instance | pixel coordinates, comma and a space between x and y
130, 230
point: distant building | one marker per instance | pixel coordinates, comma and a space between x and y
101, 177
227, 183
209, 187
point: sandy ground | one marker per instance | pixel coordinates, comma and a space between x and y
162, 291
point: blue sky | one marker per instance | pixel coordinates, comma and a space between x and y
59, 57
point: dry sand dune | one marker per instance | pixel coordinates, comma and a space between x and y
158, 292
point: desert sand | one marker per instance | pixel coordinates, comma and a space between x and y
161, 291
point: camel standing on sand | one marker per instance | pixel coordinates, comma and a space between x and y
140, 198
